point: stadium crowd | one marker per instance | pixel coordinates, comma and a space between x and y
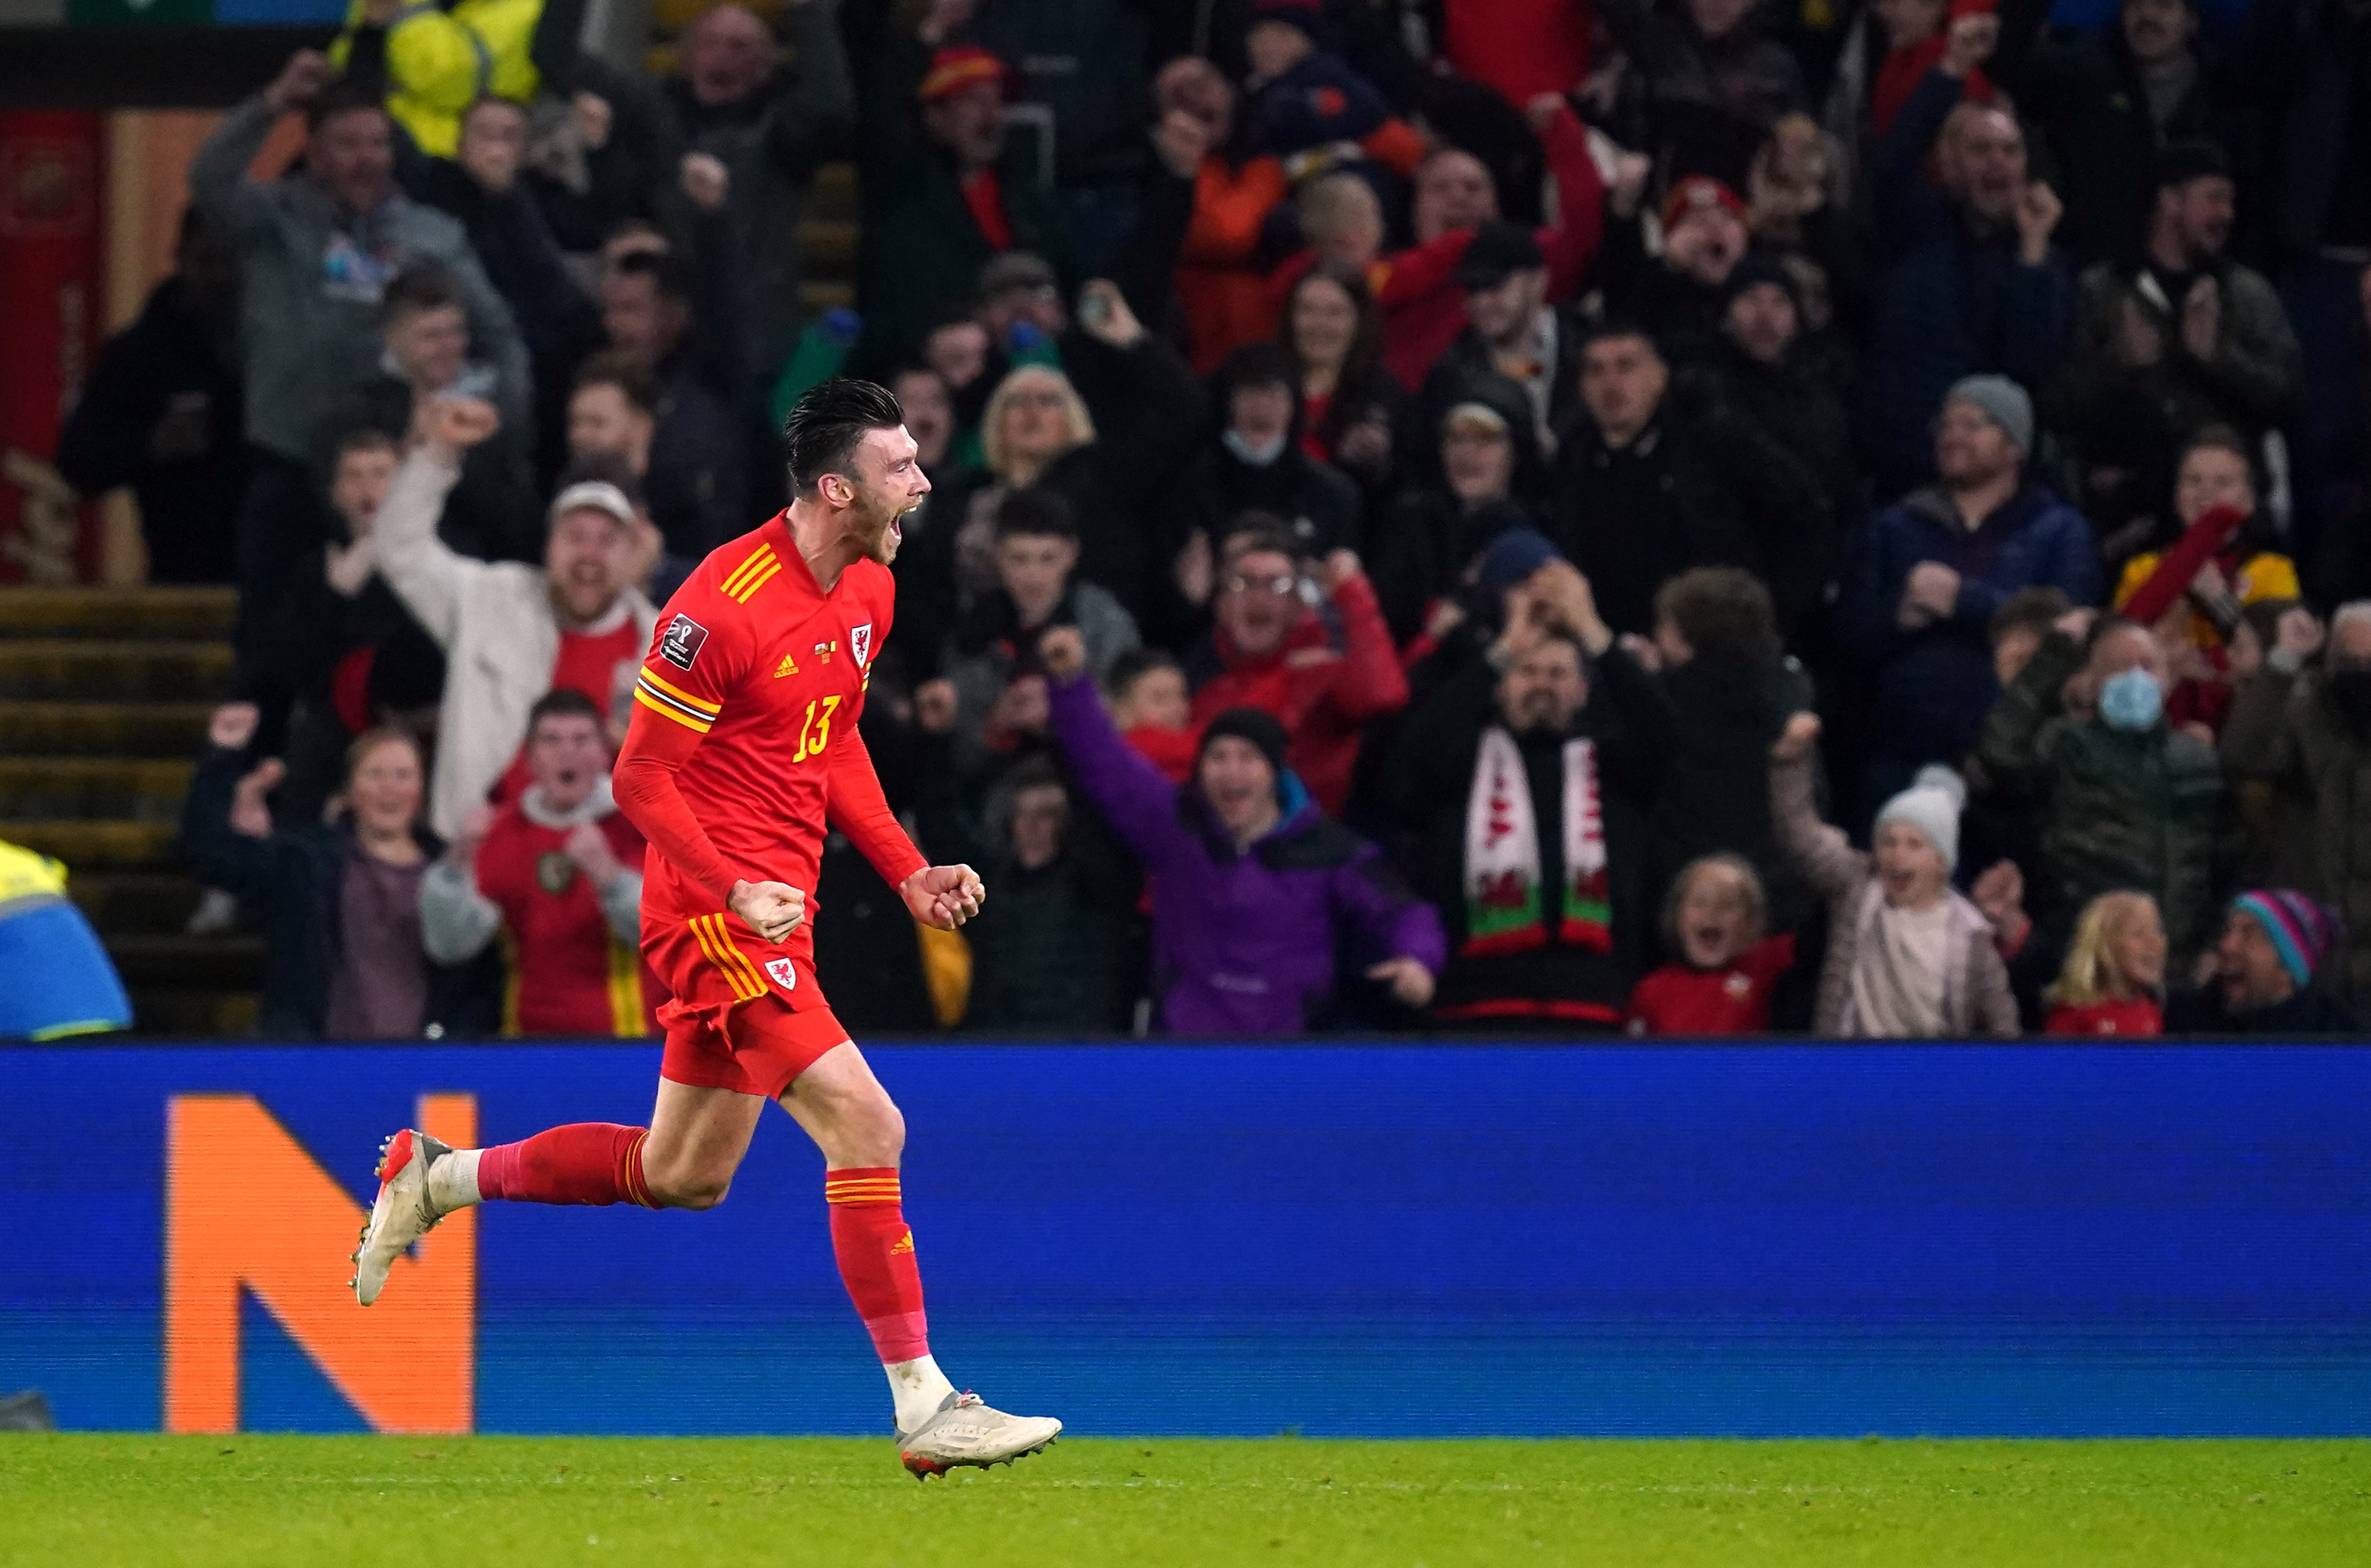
1676, 516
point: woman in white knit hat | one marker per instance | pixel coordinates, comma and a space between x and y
1908, 957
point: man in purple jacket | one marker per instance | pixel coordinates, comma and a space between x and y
1252, 884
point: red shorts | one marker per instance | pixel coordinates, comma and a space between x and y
746, 1016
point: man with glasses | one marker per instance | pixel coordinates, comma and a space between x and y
1316, 654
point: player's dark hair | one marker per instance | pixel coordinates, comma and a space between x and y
343, 95
1724, 612
1133, 666
561, 702
2035, 609
669, 274
611, 368
1035, 513
825, 426
422, 285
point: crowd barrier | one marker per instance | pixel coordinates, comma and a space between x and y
1379, 1240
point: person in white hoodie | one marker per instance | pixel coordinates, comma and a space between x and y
511, 631
558, 874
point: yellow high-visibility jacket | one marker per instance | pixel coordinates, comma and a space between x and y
440, 62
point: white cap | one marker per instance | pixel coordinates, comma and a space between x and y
593, 495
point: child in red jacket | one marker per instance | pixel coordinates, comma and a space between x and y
2114, 973
1146, 693
1722, 984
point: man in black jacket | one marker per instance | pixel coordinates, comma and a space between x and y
1524, 785
162, 413
1512, 332
1256, 463
1652, 484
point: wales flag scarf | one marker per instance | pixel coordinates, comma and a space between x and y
1505, 911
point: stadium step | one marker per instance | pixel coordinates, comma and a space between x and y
138, 789
137, 902
115, 845
104, 697
169, 959
117, 612
113, 669
103, 729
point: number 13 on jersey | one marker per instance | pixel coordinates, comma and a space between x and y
815, 730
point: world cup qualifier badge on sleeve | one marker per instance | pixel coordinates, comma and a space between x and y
684, 638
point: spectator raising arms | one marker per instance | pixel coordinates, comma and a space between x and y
2307, 734
342, 898
511, 632
1908, 958
558, 874
1525, 786
1257, 888
1969, 284
2126, 800
317, 247
991, 656
1272, 650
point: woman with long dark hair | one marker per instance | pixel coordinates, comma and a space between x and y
1350, 407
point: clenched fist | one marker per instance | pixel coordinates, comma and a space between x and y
771, 909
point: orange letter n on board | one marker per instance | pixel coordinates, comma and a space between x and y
247, 1209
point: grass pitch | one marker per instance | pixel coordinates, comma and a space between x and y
149, 1502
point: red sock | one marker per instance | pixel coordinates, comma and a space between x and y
876, 1260
585, 1162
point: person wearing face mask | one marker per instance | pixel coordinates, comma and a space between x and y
2305, 732
1908, 958
1259, 891
511, 631
1256, 463
2124, 799
558, 872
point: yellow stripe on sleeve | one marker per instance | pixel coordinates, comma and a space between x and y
655, 706
705, 705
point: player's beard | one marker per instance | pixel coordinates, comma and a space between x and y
879, 535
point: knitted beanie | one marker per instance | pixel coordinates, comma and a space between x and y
1931, 805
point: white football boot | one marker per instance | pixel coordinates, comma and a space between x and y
402, 1213
965, 1431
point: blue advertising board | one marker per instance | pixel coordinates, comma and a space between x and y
1372, 1240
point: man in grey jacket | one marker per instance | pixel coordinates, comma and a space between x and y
316, 247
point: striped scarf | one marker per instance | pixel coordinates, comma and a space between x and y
1505, 911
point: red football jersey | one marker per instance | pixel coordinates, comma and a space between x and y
568, 972
770, 671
